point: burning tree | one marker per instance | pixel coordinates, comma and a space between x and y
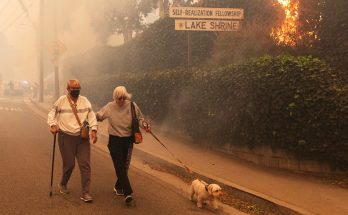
287, 33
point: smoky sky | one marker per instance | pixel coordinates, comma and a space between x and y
66, 21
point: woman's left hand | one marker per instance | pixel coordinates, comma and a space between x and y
94, 137
146, 126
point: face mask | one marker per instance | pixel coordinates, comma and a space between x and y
75, 93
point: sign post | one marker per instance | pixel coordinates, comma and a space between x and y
189, 52
205, 19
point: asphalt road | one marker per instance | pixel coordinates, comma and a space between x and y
25, 170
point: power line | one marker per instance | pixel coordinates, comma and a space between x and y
12, 23
24, 8
25, 11
12, 13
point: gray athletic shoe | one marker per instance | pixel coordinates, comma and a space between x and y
63, 189
86, 198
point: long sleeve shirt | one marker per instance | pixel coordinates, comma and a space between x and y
63, 116
119, 118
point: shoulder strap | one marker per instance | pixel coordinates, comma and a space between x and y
73, 107
134, 114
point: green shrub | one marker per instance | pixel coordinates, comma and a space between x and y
296, 104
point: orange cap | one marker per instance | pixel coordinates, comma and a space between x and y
73, 84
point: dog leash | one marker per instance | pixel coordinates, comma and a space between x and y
164, 146
145, 124
186, 168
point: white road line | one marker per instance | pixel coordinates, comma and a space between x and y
11, 109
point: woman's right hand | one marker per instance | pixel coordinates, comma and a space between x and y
53, 129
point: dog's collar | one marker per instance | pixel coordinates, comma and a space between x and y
205, 185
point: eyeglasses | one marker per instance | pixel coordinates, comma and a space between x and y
122, 98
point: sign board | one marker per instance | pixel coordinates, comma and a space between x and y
57, 48
206, 13
206, 25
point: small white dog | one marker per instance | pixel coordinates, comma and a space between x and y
205, 192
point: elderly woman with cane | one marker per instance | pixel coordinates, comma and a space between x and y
121, 138
66, 117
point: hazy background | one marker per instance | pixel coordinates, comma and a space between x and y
66, 21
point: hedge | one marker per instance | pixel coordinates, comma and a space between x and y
296, 104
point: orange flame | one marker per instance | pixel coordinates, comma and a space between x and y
286, 34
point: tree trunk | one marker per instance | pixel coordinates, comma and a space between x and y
127, 35
163, 8
177, 3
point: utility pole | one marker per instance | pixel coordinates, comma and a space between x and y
39, 43
56, 65
56, 49
41, 51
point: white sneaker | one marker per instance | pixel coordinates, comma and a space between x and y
86, 198
63, 189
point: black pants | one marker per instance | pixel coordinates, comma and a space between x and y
121, 149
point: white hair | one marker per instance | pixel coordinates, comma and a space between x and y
121, 91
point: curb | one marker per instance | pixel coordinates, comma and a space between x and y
161, 164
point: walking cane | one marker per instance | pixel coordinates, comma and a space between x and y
54, 148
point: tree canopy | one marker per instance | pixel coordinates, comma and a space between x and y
323, 30
121, 17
